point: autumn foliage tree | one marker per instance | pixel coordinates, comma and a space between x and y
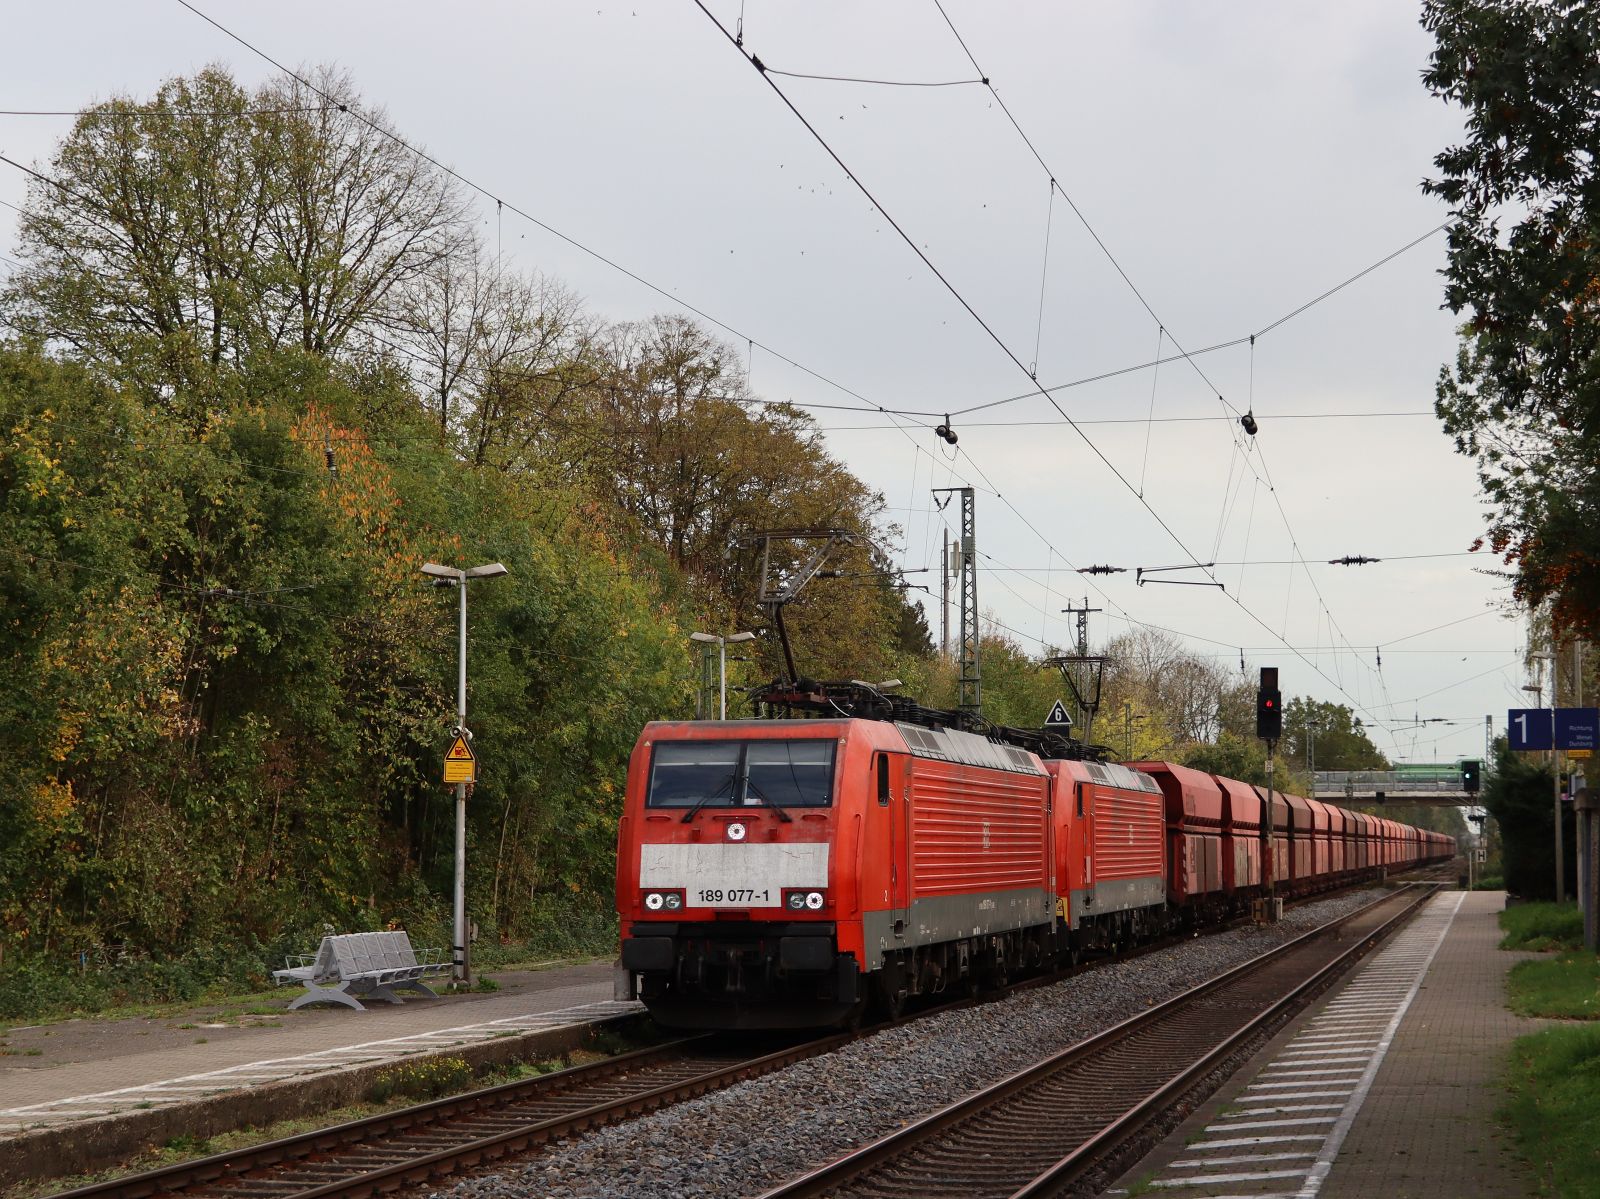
1523, 397
173, 239
254, 370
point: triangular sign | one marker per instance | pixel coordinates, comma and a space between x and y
1058, 716
460, 751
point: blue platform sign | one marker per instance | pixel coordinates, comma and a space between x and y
1529, 728
1577, 728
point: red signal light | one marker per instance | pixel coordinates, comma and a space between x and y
1269, 719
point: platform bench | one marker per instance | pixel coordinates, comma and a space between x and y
354, 966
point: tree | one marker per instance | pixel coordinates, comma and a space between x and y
169, 240
1518, 794
1235, 758
1523, 397
667, 433
1327, 736
1154, 671
495, 356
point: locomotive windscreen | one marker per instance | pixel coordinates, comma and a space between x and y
721, 774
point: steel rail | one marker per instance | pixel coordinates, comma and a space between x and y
1071, 1168
230, 1171
838, 1176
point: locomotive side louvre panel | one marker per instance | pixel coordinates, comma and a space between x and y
1111, 831
1129, 850
979, 848
972, 828
979, 851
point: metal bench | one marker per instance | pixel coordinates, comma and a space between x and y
369, 965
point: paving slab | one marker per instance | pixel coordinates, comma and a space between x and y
90, 1057
1385, 1088
98, 1090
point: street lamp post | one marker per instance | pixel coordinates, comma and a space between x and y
722, 644
1128, 721
451, 576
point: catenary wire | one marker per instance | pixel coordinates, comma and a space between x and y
988, 329
556, 233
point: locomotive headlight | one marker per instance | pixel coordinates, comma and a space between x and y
670, 900
814, 900
801, 901
797, 900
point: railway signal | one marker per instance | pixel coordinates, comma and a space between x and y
1269, 727
1269, 706
1471, 776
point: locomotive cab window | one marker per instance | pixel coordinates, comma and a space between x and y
724, 774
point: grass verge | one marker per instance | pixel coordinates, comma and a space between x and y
1541, 926
1564, 987
1553, 1108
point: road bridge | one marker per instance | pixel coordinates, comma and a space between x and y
1434, 783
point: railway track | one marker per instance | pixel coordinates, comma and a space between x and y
416, 1145
419, 1145
1043, 1131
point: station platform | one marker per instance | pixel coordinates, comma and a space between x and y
1385, 1087
85, 1092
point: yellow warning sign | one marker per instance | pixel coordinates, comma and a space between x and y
460, 763
1580, 754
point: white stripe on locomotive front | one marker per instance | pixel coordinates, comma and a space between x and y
722, 867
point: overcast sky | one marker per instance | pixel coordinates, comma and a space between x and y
1236, 160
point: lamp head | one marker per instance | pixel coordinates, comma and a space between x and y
440, 572
490, 570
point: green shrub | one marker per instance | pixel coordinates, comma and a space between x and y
1542, 926
572, 925
38, 986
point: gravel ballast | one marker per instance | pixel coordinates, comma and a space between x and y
754, 1135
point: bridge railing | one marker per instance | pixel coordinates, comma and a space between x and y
1414, 780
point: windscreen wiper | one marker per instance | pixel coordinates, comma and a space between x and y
707, 798
750, 786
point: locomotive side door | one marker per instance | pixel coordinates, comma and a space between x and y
894, 792
1085, 800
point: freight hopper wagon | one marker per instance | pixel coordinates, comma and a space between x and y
779, 873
